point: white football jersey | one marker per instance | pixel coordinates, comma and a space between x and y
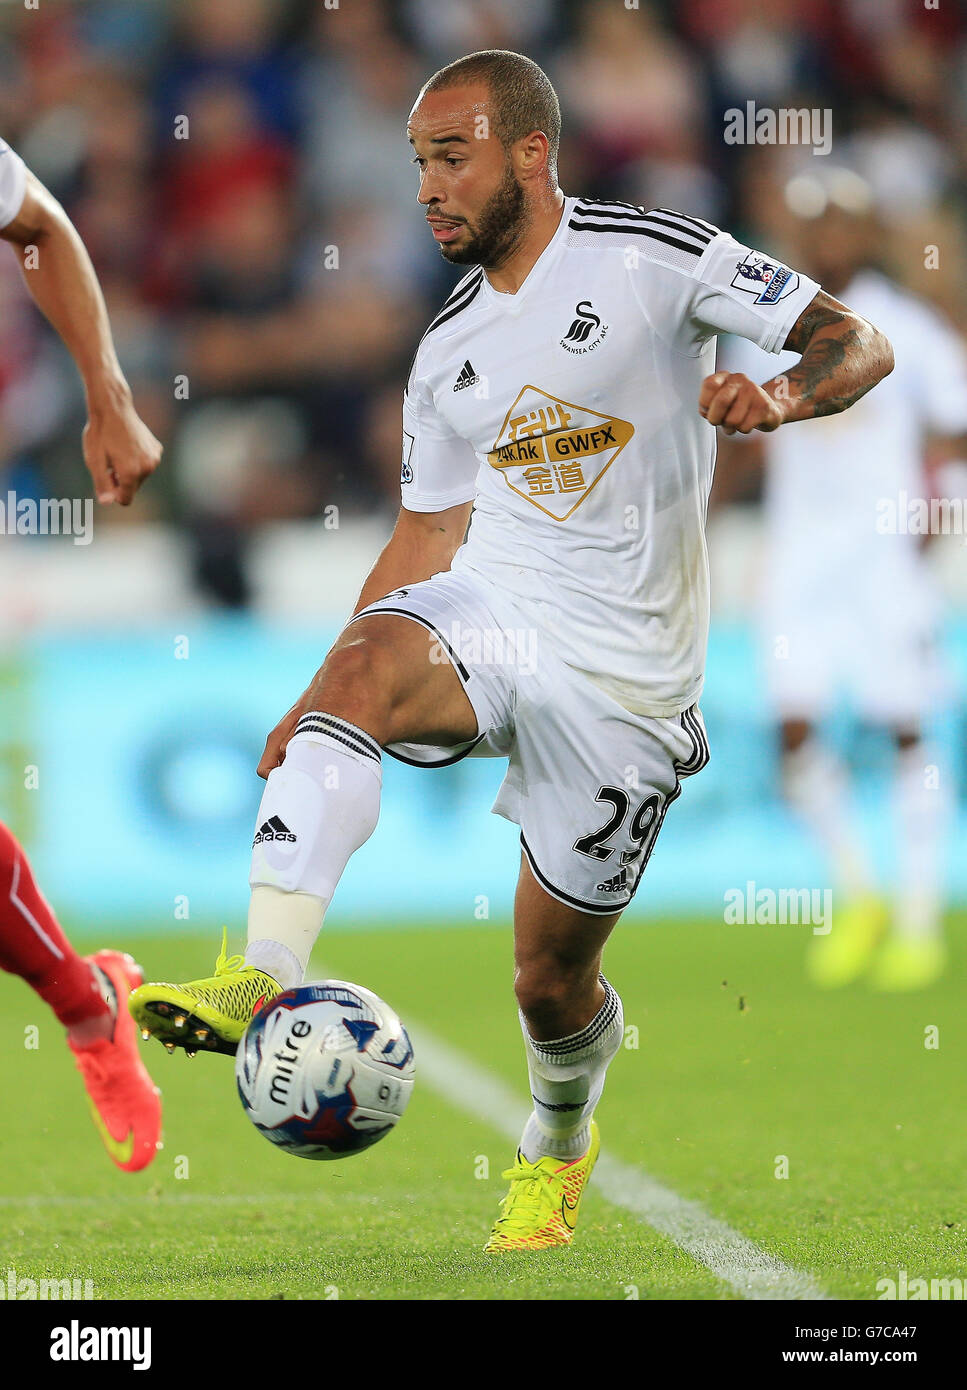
13, 182
835, 485
569, 413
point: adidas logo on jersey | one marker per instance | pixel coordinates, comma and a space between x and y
467, 377
273, 829
618, 884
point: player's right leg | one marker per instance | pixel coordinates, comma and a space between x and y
387, 680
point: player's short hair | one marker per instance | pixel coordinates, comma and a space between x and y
523, 98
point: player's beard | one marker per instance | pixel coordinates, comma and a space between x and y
497, 230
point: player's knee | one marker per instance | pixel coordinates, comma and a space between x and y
356, 683
550, 990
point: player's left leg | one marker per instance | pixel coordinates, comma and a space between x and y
89, 997
587, 834
573, 1025
570, 1016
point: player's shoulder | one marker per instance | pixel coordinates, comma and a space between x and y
451, 314
663, 236
13, 183
456, 304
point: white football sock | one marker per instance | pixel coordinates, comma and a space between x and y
923, 805
282, 930
567, 1078
316, 811
817, 788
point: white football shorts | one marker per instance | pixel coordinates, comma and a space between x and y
587, 781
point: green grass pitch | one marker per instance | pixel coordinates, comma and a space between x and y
738, 1064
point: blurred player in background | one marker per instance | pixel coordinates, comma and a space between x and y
568, 302
88, 995
850, 609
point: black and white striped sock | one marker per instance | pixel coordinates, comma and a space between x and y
340, 731
567, 1079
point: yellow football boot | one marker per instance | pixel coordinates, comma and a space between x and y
845, 952
541, 1208
908, 965
205, 1015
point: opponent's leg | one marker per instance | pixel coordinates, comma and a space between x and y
573, 1025
88, 995
33, 946
383, 682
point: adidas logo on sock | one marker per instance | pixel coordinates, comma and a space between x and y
618, 884
467, 377
273, 829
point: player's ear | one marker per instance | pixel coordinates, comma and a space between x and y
531, 153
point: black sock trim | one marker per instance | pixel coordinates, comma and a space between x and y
546, 1105
603, 1020
342, 731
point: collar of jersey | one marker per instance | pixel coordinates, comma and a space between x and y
513, 303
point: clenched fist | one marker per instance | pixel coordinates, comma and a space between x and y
119, 450
738, 404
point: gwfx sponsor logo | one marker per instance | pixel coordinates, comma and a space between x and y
552, 452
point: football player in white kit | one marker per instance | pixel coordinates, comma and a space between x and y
849, 608
565, 394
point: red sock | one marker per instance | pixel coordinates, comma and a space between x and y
33, 946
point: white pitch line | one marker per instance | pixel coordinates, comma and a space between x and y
730, 1256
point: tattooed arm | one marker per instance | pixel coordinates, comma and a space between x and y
843, 357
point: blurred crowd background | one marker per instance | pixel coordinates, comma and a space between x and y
268, 277
275, 258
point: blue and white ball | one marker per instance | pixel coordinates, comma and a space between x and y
324, 1070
